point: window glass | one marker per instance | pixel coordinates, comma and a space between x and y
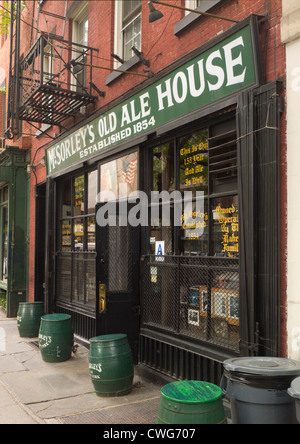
130, 7
5, 194
78, 203
48, 63
163, 168
204, 247
92, 191
76, 264
83, 28
80, 36
132, 25
4, 234
162, 233
66, 231
195, 229
119, 178
127, 171
225, 233
132, 37
66, 199
4, 243
78, 206
194, 162
78, 231
91, 233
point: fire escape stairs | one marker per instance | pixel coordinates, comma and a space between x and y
46, 87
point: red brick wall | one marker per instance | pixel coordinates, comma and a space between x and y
162, 47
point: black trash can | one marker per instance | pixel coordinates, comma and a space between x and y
294, 392
257, 388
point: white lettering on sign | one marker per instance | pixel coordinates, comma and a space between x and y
224, 69
44, 341
95, 368
231, 63
201, 73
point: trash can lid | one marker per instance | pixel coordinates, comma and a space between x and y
108, 338
263, 366
56, 317
294, 390
191, 392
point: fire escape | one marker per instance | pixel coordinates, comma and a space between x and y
52, 82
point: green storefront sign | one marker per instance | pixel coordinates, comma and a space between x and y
222, 70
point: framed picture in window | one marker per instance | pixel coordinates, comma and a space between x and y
234, 308
203, 300
194, 318
220, 304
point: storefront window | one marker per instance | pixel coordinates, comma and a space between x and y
79, 195
92, 191
225, 235
119, 178
194, 238
4, 235
193, 156
194, 289
163, 168
66, 231
78, 207
79, 235
76, 264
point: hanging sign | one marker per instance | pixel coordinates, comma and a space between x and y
222, 70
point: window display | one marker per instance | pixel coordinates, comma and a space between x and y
195, 288
4, 235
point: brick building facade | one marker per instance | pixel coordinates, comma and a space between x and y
181, 316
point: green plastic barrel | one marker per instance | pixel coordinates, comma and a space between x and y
111, 365
29, 319
56, 337
191, 402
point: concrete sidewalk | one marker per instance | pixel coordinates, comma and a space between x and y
35, 392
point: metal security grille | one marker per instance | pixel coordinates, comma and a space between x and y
178, 362
120, 262
76, 279
76, 290
193, 297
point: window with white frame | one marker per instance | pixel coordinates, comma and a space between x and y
48, 63
192, 4
190, 18
80, 36
204, 5
128, 27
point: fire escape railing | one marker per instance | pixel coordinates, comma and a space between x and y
54, 89
51, 84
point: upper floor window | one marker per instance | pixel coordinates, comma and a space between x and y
192, 4
80, 36
128, 27
190, 18
48, 63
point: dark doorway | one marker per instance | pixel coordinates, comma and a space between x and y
118, 278
40, 242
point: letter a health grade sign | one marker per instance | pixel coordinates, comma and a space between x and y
220, 70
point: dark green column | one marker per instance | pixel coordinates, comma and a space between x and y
13, 173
